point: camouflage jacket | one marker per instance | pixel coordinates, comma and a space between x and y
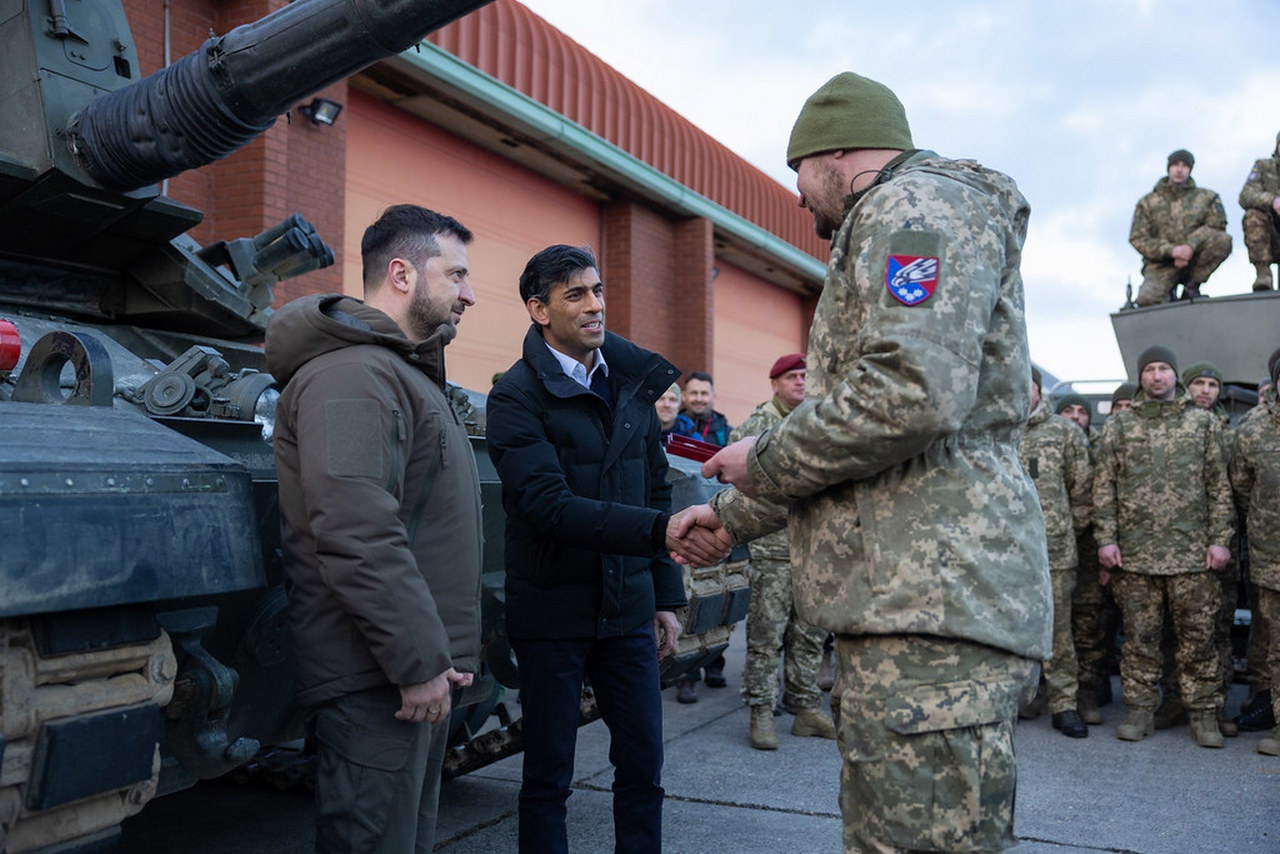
1171, 215
1056, 455
1160, 489
1263, 184
768, 414
1255, 479
910, 512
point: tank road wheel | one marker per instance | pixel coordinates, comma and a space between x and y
80, 725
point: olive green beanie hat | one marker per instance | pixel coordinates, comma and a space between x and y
1201, 369
849, 111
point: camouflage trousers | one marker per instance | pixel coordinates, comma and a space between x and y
1159, 277
1223, 617
1060, 672
1229, 579
773, 626
1094, 621
925, 729
1259, 668
1193, 600
1262, 236
1269, 606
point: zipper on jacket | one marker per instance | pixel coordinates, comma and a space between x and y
397, 439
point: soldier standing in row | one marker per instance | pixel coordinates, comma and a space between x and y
1056, 456
1164, 522
772, 622
1255, 480
1260, 198
1094, 616
1180, 230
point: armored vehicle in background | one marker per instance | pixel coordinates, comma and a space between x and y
1236, 332
142, 636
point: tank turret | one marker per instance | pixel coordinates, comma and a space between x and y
83, 225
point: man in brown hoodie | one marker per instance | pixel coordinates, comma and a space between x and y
380, 510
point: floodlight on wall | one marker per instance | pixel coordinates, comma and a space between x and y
321, 111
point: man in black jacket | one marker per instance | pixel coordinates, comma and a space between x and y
591, 590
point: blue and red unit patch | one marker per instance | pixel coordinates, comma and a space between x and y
911, 279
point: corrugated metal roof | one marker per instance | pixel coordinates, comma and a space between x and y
510, 43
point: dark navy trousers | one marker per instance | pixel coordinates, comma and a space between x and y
623, 671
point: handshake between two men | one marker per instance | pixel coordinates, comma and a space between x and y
695, 535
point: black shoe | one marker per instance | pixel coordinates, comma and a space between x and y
714, 677
1257, 715
685, 692
1069, 724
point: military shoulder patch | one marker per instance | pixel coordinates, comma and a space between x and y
911, 279
912, 271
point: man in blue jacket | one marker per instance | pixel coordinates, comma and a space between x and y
591, 590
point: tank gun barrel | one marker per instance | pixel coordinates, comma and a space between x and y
220, 97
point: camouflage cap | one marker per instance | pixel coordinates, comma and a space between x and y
1184, 156
1201, 369
849, 111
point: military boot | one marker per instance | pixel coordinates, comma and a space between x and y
762, 735
813, 722
1263, 282
1204, 726
1257, 714
1226, 726
1271, 744
1137, 726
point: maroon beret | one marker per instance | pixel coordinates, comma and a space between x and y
786, 363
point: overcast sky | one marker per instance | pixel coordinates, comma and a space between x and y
1081, 102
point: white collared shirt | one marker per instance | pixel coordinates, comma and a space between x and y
576, 370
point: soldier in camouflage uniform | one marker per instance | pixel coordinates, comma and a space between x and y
1164, 520
772, 622
1095, 619
916, 534
1203, 382
1255, 480
1056, 455
1180, 230
1260, 198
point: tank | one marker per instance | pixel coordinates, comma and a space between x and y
143, 645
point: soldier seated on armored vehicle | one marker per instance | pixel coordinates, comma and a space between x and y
1180, 230
1260, 198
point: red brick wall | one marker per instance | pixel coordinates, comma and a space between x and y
294, 166
657, 274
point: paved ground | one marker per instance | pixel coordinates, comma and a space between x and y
1161, 796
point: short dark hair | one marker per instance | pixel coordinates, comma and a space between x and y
554, 265
700, 375
404, 231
